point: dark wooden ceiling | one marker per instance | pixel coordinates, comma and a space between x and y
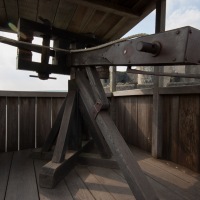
107, 19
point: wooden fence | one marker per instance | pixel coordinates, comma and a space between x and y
26, 119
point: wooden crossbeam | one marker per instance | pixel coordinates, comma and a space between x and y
135, 71
52, 172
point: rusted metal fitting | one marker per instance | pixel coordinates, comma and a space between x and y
153, 48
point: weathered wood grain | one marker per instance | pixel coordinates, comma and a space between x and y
12, 124
22, 181
145, 123
60, 192
113, 183
77, 187
27, 123
56, 105
133, 174
189, 132
43, 119
5, 164
94, 186
2, 123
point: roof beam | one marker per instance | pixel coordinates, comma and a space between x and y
107, 7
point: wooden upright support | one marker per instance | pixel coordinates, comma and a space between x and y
157, 102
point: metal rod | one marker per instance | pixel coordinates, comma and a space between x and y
135, 71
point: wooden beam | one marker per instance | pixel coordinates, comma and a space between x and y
54, 130
157, 101
107, 7
134, 176
52, 172
97, 88
88, 116
135, 92
64, 131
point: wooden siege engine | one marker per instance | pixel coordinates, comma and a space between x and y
80, 56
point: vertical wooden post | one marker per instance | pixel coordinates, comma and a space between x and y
112, 78
157, 104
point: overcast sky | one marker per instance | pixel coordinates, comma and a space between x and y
179, 13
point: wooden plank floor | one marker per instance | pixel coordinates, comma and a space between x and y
19, 180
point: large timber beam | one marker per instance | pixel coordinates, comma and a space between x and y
134, 176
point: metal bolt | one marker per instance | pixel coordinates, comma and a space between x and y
125, 51
178, 32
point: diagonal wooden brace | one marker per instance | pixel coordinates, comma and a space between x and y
134, 176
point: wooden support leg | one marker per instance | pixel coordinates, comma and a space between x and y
60, 148
55, 129
135, 177
44, 153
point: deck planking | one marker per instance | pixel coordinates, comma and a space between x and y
19, 180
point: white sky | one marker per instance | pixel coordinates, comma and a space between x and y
179, 13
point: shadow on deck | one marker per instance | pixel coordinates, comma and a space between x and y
19, 180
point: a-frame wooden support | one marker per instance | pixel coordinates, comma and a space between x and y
93, 106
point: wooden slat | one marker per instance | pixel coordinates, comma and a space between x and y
3, 14
135, 92
110, 21
2, 123
107, 7
132, 120
27, 123
77, 188
28, 9
170, 128
162, 192
47, 9
12, 124
56, 105
94, 186
189, 128
60, 192
5, 163
172, 182
94, 21
115, 28
113, 183
12, 11
64, 14
31, 94
131, 23
22, 181
194, 89
144, 122
78, 19
119, 115
43, 119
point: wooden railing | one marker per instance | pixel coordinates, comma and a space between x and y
26, 119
